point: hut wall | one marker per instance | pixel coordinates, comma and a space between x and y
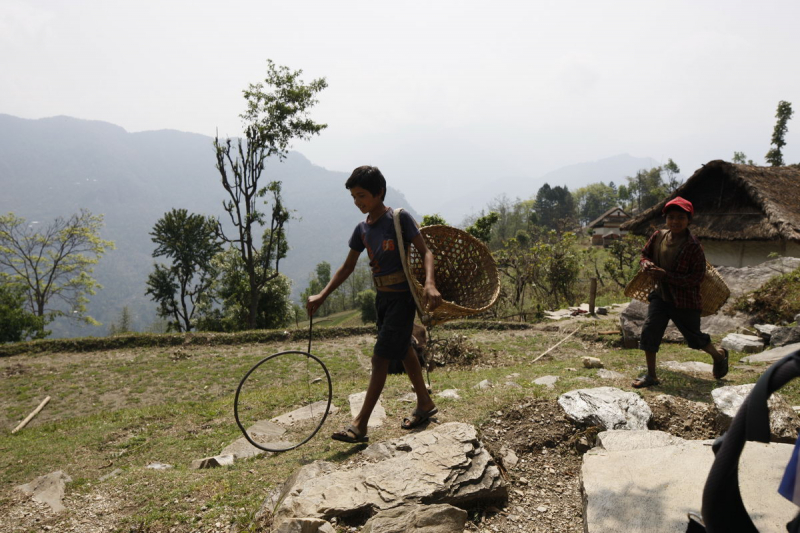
746, 253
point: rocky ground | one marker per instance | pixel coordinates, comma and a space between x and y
545, 480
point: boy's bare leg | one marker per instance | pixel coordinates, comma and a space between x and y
650, 357
377, 380
414, 371
713, 352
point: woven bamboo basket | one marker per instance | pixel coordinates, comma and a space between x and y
466, 274
713, 290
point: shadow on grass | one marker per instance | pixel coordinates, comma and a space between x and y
687, 386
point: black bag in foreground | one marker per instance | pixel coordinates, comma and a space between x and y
723, 508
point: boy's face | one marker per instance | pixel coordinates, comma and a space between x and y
677, 221
364, 199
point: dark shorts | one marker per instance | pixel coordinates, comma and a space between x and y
396, 312
659, 313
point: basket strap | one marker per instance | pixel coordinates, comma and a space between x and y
404, 260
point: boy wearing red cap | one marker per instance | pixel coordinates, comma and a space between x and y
675, 258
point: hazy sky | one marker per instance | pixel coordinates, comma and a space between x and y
436, 93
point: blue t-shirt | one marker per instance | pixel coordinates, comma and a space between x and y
380, 241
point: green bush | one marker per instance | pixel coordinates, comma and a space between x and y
775, 302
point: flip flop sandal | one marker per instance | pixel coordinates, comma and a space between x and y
350, 435
644, 381
418, 418
721, 367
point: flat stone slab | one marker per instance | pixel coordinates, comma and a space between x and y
378, 414
241, 449
770, 356
547, 381
651, 492
634, 439
48, 489
736, 342
604, 373
448, 393
308, 412
447, 464
689, 366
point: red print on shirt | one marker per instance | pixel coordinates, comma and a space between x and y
388, 245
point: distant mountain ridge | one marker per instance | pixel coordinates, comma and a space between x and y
54, 167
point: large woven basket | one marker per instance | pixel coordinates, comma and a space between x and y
466, 274
713, 290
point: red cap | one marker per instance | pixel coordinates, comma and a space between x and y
683, 203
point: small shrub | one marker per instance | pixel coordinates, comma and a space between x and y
775, 302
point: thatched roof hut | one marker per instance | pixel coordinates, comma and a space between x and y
742, 212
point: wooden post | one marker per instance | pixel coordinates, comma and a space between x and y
30, 416
592, 294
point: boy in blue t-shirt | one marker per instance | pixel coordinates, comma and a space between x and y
393, 301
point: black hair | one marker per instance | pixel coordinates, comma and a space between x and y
678, 209
369, 178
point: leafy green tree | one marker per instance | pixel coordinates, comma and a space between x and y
623, 260
123, 324
225, 307
555, 207
433, 220
645, 189
277, 112
190, 242
671, 169
360, 280
481, 229
17, 323
775, 155
562, 267
316, 284
593, 200
740, 159
54, 265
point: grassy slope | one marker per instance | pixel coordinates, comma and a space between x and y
128, 408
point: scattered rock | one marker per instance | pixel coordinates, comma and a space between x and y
508, 457
378, 414
607, 407
592, 362
601, 311
609, 374
737, 342
419, 519
212, 462
48, 489
548, 381
771, 356
447, 464
485, 384
689, 366
783, 421
159, 466
783, 336
304, 525
448, 393
308, 412
765, 330
114, 473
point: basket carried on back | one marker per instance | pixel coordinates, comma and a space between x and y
466, 273
713, 290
